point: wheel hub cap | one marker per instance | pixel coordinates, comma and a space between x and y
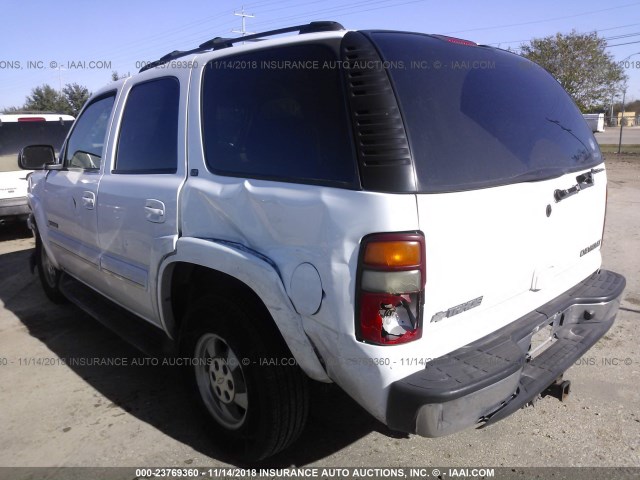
222, 380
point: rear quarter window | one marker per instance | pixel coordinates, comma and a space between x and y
278, 114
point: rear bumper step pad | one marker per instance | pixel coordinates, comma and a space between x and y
491, 378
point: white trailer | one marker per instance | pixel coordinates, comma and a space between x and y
595, 121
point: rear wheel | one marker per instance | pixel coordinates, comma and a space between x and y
254, 395
49, 275
221, 381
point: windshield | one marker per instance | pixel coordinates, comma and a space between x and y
479, 117
15, 135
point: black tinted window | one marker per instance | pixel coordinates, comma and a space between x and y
16, 135
148, 140
278, 114
86, 143
479, 117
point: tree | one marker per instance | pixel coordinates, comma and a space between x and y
12, 110
75, 96
115, 76
633, 106
581, 64
46, 99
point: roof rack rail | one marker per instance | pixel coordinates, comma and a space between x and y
218, 43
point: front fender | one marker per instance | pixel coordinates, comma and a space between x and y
39, 221
261, 277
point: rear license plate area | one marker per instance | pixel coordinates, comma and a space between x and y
541, 340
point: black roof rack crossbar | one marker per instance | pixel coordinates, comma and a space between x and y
218, 43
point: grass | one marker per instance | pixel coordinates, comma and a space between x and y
623, 149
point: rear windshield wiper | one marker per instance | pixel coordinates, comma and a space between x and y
539, 175
584, 180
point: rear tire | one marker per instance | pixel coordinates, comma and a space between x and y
49, 275
256, 404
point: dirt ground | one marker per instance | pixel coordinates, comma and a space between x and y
59, 415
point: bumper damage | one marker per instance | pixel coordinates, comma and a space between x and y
491, 378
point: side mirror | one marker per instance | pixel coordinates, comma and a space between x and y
36, 157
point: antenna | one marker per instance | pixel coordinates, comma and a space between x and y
244, 16
60, 68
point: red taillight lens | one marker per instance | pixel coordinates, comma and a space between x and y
391, 279
387, 319
31, 119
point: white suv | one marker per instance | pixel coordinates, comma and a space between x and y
16, 131
414, 217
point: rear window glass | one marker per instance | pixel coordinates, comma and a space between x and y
16, 135
478, 117
278, 114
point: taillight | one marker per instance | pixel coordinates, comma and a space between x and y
31, 119
390, 296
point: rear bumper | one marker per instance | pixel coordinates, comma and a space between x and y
11, 207
491, 378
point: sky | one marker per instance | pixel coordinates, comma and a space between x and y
61, 42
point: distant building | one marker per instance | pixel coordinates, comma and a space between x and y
629, 118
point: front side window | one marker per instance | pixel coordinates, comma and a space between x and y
148, 141
86, 143
278, 114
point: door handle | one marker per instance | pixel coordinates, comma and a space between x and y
154, 211
89, 200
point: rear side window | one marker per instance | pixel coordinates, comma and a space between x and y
16, 135
148, 141
86, 143
278, 114
479, 117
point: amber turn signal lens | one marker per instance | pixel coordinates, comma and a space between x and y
392, 254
